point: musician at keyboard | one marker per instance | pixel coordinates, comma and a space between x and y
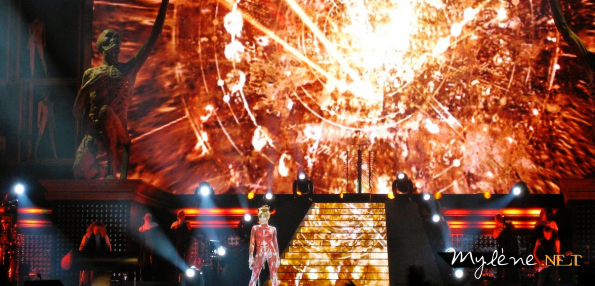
94, 241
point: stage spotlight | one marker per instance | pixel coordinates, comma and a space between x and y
247, 217
459, 273
391, 195
269, 195
402, 184
519, 189
487, 195
438, 195
221, 251
19, 189
191, 272
436, 218
426, 197
302, 185
250, 195
204, 189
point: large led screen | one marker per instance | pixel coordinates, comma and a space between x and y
463, 96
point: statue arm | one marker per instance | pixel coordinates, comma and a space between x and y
575, 43
79, 102
144, 52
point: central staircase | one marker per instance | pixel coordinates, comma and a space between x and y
338, 243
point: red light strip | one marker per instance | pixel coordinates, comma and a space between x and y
229, 212
33, 223
214, 224
488, 224
34, 211
493, 212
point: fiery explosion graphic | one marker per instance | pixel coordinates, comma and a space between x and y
463, 96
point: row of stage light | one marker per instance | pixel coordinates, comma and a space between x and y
402, 185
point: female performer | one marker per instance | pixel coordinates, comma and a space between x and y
265, 238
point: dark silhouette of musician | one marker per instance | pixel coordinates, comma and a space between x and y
505, 236
550, 246
183, 234
149, 237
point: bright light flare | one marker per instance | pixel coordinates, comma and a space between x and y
190, 272
268, 195
426, 197
435, 218
221, 251
19, 189
247, 217
459, 273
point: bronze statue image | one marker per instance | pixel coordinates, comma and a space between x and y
45, 118
579, 49
101, 106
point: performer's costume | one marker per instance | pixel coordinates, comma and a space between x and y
265, 238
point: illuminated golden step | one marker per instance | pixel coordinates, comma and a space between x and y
324, 249
338, 242
327, 262
333, 268
348, 206
330, 276
339, 230
335, 255
304, 282
308, 236
363, 217
347, 211
344, 223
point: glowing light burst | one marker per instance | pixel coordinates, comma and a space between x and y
463, 97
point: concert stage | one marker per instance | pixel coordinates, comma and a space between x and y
323, 239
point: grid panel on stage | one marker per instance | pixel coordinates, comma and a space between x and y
71, 221
585, 240
35, 251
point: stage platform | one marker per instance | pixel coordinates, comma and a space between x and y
366, 239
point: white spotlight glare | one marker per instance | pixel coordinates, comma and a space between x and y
268, 196
190, 272
435, 218
205, 191
516, 191
459, 273
401, 176
19, 189
221, 251
426, 197
247, 217
301, 176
